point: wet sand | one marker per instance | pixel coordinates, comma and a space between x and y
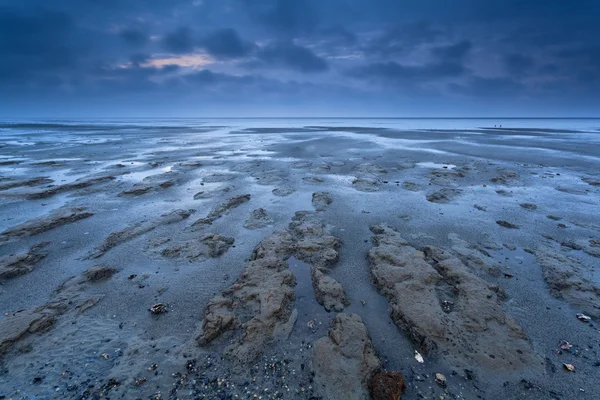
302, 259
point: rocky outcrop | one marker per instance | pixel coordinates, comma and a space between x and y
566, 278
283, 192
211, 245
221, 210
14, 265
78, 184
505, 178
344, 360
150, 183
69, 297
26, 182
59, 217
328, 292
133, 231
506, 224
260, 303
366, 184
207, 194
258, 219
444, 308
320, 200
445, 195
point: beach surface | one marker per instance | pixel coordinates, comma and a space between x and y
300, 259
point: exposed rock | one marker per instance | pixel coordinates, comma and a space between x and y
27, 182
283, 192
370, 169
553, 217
572, 190
99, 273
328, 292
365, 184
78, 184
480, 208
152, 182
230, 204
443, 177
321, 200
412, 186
62, 216
133, 231
19, 324
506, 224
67, 298
504, 193
247, 166
260, 302
220, 210
211, 245
219, 177
474, 257
590, 246
529, 206
269, 177
265, 288
445, 195
302, 164
566, 278
14, 265
137, 190
258, 219
313, 179
505, 178
387, 385
591, 181
207, 194
444, 308
345, 360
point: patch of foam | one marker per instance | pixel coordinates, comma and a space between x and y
428, 164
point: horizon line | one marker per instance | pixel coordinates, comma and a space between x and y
283, 117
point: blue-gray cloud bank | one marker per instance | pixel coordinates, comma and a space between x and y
299, 58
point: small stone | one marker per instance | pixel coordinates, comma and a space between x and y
440, 379
569, 367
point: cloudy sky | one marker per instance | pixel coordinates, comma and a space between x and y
299, 58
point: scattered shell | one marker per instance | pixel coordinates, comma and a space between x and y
583, 317
440, 379
311, 324
158, 308
565, 345
419, 357
140, 381
105, 356
569, 367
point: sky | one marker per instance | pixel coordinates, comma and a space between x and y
304, 58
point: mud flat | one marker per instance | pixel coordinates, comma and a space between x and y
299, 260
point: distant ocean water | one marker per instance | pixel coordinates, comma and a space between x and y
94, 124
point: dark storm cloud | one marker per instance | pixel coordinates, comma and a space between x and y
226, 43
393, 72
180, 40
292, 56
495, 49
518, 64
134, 37
455, 51
489, 87
400, 39
284, 16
